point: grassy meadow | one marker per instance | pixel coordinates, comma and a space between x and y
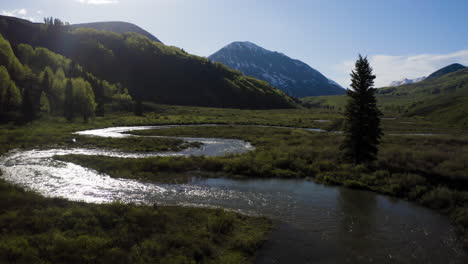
44, 230
443, 99
430, 170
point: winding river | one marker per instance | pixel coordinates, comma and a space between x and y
314, 223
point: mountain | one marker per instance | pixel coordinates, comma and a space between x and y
150, 70
291, 76
446, 99
406, 81
448, 69
443, 98
450, 83
117, 27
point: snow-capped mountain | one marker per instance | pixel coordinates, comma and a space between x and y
289, 75
406, 81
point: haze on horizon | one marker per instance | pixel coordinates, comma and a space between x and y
403, 39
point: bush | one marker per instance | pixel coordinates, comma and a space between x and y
354, 184
439, 198
17, 250
223, 225
417, 192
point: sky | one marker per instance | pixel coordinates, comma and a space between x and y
402, 38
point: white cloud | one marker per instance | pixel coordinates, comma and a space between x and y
15, 12
21, 13
98, 2
393, 68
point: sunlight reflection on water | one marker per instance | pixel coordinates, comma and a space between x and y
339, 224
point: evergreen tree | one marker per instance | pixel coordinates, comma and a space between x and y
362, 117
28, 112
100, 108
74, 70
68, 105
46, 81
44, 103
138, 110
98, 88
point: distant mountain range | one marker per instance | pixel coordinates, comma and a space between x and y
443, 71
442, 81
289, 75
442, 96
406, 81
117, 27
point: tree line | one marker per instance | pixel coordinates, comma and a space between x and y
34, 81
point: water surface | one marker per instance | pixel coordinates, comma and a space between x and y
314, 223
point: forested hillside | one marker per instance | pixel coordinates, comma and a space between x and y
151, 71
35, 81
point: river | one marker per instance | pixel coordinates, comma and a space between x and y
314, 223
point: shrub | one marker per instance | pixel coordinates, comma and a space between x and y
17, 250
417, 192
222, 225
354, 184
439, 198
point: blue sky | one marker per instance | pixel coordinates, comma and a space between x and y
403, 38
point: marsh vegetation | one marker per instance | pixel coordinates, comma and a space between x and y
430, 170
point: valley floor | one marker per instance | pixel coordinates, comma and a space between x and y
428, 169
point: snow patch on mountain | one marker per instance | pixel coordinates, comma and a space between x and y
290, 75
406, 81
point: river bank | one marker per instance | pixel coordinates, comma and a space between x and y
275, 149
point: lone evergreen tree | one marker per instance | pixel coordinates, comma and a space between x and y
362, 117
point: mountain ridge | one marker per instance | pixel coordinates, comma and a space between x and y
292, 76
150, 70
445, 70
117, 27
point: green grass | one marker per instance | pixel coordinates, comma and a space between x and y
444, 100
44, 230
130, 144
163, 170
429, 170
56, 131
336, 102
